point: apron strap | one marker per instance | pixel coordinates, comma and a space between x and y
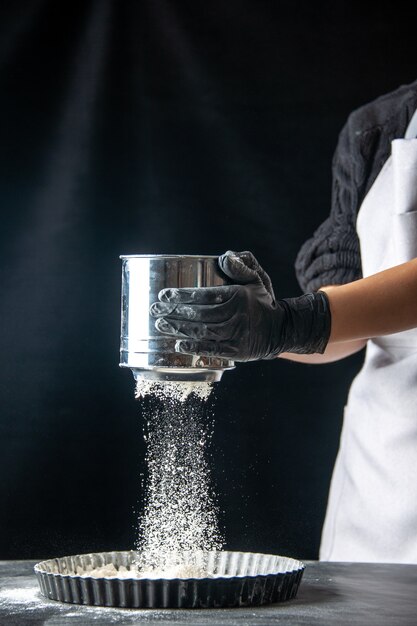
411, 131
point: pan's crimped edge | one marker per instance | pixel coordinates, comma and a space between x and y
240, 590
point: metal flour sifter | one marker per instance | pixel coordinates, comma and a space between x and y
147, 352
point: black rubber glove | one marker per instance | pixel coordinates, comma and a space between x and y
242, 321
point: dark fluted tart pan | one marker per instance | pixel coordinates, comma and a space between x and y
230, 579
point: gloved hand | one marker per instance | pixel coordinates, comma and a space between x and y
242, 321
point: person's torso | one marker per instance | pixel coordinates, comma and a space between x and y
372, 511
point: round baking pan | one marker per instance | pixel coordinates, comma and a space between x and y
230, 579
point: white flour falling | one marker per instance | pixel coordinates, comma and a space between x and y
170, 390
180, 514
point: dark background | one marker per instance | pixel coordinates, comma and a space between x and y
167, 127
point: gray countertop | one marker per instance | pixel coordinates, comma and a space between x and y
330, 593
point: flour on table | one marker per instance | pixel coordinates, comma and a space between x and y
26, 597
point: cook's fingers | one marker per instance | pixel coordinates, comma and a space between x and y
244, 268
199, 295
206, 348
192, 329
239, 266
160, 309
197, 313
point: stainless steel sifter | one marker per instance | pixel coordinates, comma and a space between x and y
147, 352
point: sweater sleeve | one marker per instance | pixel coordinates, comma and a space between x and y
331, 256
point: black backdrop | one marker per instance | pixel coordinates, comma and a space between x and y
166, 127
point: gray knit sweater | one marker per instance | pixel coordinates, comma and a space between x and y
332, 255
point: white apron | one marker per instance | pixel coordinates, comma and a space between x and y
372, 509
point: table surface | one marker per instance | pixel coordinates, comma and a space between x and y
350, 594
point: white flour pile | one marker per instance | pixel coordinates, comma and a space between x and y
106, 571
181, 570
180, 513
